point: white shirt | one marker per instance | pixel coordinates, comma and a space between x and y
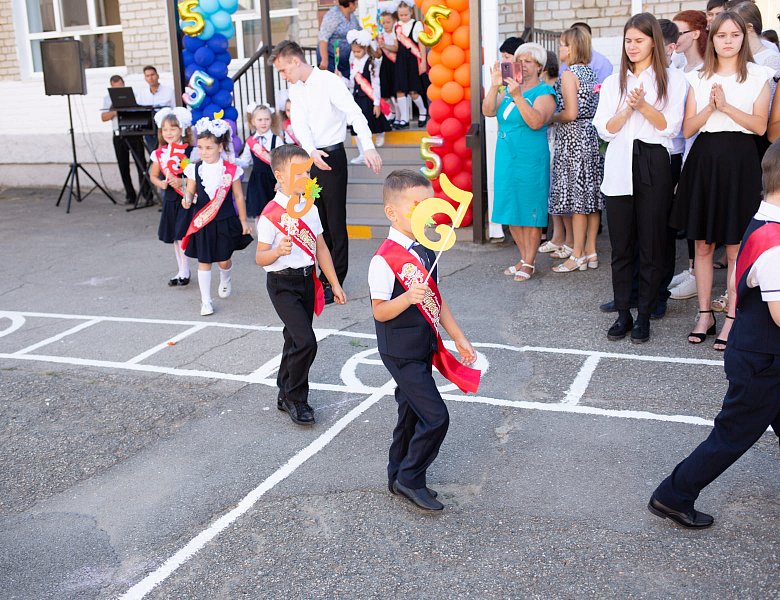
163, 97
411, 29
245, 160
739, 95
618, 173
766, 58
320, 110
210, 175
765, 272
356, 67
268, 233
381, 278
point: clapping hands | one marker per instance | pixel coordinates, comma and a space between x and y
636, 98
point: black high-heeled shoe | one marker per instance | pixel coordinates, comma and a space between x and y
720, 342
703, 336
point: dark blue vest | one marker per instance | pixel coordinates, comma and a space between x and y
227, 209
409, 335
754, 330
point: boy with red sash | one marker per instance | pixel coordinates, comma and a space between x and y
407, 313
288, 249
752, 364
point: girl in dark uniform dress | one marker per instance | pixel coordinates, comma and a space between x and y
388, 46
257, 152
366, 90
411, 67
218, 226
173, 150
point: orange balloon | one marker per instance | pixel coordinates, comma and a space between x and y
467, 93
452, 57
463, 75
439, 75
434, 57
434, 92
452, 92
419, 4
452, 22
460, 37
458, 5
446, 40
464, 18
425, 5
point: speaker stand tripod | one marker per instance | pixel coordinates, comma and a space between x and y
73, 174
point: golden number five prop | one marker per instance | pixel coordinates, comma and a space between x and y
295, 195
433, 20
187, 14
427, 154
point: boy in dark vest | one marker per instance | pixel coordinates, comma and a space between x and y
407, 311
752, 363
289, 249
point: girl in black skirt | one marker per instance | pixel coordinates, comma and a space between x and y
411, 67
218, 226
366, 90
388, 46
257, 152
174, 145
720, 185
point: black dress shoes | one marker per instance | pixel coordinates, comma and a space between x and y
621, 327
390, 483
328, 292
184, 280
640, 333
300, 412
609, 307
173, 282
420, 497
692, 519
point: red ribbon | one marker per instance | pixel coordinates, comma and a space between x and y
206, 214
762, 239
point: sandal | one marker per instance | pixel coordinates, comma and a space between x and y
720, 342
522, 275
548, 246
562, 252
511, 270
703, 336
721, 303
580, 264
593, 261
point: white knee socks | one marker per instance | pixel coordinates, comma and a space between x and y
182, 261
204, 283
403, 110
418, 102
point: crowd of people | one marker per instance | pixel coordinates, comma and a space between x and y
685, 121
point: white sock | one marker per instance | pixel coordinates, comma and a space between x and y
403, 110
224, 275
418, 102
204, 283
359, 145
394, 106
182, 261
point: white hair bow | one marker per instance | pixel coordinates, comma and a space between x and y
362, 37
388, 6
182, 115
218, 127
253, 106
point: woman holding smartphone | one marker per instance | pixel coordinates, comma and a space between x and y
522, 182
639, 113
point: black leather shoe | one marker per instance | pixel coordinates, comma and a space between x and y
608, 307
421, 497
640, 333
433, 493
298, 412
184, 280
660, 310
620, 327
328, 292
422, 121
692, 519
173, 282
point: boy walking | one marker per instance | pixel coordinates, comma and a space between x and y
407, 312
289, 250
752, 363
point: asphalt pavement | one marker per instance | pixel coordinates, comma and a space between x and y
142, 454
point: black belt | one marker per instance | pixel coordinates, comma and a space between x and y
339, 146
301, 272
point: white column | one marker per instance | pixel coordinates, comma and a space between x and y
490, 44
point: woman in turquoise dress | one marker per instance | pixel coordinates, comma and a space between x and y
521, 185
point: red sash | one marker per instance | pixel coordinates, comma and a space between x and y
303, 237
171, 169
206, 214
390, 55
408, 43
289, 131
762, 239
368, 90
257, 149
408, 271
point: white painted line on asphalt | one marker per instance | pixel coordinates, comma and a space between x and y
57, 338
177, 338
581, 382
16, 319
148, 583
272, 366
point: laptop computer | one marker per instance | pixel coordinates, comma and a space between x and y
123, 98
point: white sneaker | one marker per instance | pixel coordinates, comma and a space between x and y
380, 140
679, 278
206, 309
358, 160
685, 290
225, 289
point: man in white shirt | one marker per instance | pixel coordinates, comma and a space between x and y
156, 95
321, 109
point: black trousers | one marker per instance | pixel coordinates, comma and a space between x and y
751, 404
422, 423
671, 237
332, 205
122, 152
639, 222
293, 299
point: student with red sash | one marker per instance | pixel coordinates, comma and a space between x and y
214, 195
289, 249
407, 313
388, 45
257, 152
752, 363
411, 68
366, 89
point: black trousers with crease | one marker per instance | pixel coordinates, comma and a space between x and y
332, 206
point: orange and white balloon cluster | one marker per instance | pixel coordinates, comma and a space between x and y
447, 35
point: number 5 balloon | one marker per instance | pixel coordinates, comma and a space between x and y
433, 20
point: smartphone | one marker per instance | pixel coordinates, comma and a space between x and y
507, 71
517, 72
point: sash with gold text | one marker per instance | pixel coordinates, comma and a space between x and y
206, 214
407, 42
368, 90
257, 149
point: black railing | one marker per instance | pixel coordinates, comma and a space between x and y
257, 82
547, 39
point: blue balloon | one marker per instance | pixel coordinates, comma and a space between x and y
221, 19
226, 84
192, 43
231, 113
204, 56
210, 109
218, 43
228, 32
217, 70
209, 6
189, 70
208, 31
223, 57
229, 5
186, 57
196, 115
223, 98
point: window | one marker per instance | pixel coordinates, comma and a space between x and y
95, 22
284, 25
